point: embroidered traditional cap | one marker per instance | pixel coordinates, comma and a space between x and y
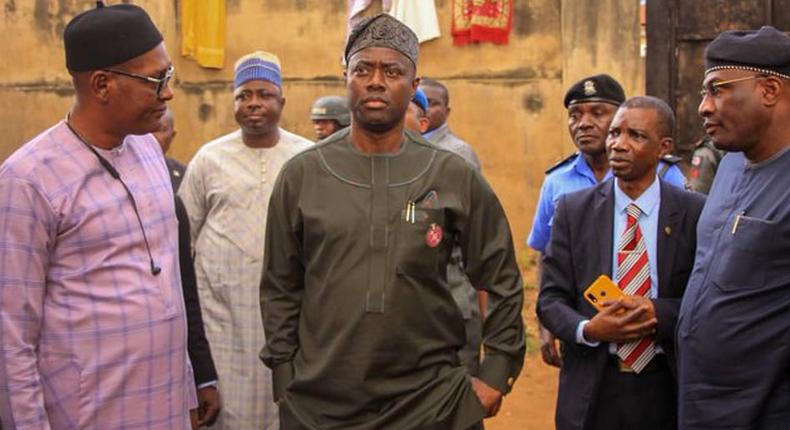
259, 65
383, 31
332, 107
108, 35
420, 100
598, 88
766, 50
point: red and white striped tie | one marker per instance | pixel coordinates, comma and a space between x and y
633, 277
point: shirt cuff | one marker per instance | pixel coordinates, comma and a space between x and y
282, 374
499, 371
207, 384
537, 243
580, 339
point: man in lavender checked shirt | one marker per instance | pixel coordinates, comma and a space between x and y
92, 325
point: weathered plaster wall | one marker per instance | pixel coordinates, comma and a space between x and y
602, 36
506, 100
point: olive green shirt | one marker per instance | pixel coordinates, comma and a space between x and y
704, 163
362, 331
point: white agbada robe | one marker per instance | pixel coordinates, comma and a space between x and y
226, 192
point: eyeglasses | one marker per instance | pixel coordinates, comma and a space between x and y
712, 88
161, 83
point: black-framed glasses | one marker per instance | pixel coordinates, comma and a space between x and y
161, 83
712, 88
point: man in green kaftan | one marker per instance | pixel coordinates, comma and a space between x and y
362, 331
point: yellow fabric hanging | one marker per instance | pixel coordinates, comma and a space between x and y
203, 31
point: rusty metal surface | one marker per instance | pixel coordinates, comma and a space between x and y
690, 70
703, 19
660, 62
780, 14
678, 32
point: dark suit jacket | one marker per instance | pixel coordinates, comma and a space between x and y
176, 171
197, 344
580, 250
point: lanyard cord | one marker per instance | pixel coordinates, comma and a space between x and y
155, 270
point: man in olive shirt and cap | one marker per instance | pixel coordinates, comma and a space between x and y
362, 331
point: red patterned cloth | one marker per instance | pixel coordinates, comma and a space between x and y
476, 21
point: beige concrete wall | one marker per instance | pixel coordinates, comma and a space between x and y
602, 36
506, 100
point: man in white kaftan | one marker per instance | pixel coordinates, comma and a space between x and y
226, 192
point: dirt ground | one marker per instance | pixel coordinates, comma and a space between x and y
530, 406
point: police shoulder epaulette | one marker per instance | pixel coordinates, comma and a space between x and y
562, 163
671, 159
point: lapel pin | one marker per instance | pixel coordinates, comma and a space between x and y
668, 230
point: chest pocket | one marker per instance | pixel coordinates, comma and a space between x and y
419, 242
741, 264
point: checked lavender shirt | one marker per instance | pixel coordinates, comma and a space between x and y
90, 338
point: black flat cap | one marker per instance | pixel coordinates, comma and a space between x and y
598, 88
383, 31
108, 35
766, 50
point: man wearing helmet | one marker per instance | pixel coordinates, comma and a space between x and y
329, 114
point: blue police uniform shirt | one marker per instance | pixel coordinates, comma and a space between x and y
572, 176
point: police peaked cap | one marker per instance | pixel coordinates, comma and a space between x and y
598, 88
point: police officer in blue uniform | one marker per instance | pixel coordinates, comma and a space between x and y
591, 103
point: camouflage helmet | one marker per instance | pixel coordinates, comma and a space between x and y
332, 107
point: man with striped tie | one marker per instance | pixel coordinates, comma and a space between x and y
618, 364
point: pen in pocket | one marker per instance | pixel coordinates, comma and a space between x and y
737, 220
411, 209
